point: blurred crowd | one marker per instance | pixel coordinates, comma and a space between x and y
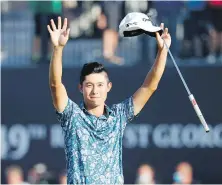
183, 174
146, 174
38, 174
195, 26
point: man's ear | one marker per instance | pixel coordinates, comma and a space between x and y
80, 88
109, 86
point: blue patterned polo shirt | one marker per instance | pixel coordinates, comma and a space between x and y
93, 145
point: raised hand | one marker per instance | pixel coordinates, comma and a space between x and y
59, 35
166, 36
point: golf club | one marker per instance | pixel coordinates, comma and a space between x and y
191, 97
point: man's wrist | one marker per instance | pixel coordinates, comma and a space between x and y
163, 49
58, 47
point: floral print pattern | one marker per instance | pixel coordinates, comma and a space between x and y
93, 145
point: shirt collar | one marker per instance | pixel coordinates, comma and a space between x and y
108, 110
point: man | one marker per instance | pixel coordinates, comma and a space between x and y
215, 32
112, 11
14, 175
145, 175
93, 132
184, 174
43, 10
63, 178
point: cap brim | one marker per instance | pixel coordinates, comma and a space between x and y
133, 33
151, 30
153, 34
137, 32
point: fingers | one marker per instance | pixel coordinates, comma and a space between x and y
162, 26
165, 31
49, 29
53, 25
67, 33
59, 23
64, 24
158, 36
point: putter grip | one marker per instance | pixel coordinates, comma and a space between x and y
198, 112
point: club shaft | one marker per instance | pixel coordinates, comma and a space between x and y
178, 70
191, 97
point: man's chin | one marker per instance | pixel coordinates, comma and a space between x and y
95, 103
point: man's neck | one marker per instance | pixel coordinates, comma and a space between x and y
96, 111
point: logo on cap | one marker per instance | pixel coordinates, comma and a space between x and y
130, 24
145, 19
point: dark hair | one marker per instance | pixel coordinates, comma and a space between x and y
89, 68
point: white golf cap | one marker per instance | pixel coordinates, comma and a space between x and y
137, 23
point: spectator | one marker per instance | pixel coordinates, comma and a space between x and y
43, 12
112, 12
85, 18
63, 178
14, 175
35, 173
215, 31
47, 178
183, 174
145, 175
33, 176
195, 28
169, 12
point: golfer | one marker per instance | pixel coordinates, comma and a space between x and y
93, 131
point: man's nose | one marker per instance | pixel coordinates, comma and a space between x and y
95, 90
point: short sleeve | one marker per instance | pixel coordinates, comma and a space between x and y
126, 109
65, 117
125, 113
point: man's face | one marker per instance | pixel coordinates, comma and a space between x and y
95, 88
63, 179
14, 177
185, 171
145, 175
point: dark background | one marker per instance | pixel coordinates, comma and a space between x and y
30, 133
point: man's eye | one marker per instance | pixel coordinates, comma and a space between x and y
100, 85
